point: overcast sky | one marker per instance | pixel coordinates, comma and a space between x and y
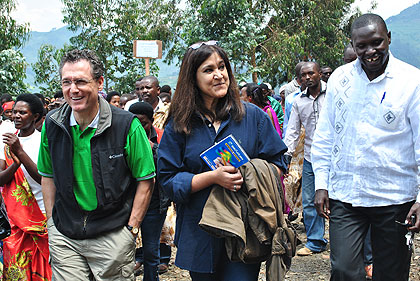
44, 15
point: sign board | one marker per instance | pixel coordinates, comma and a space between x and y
147, 49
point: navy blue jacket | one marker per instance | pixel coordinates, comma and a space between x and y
179, 160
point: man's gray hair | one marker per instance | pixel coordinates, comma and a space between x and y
76, 55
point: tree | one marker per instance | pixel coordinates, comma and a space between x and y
268, 37
237, 25
12, 72
12, 35
47, 68
12, 62
303, 30
109, 27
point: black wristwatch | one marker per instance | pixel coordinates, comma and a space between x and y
132, 229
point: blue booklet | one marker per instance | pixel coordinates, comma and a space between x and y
228, 150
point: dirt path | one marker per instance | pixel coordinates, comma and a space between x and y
310, 268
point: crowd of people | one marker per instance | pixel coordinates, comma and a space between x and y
100, 186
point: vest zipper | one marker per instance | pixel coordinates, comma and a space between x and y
84, 223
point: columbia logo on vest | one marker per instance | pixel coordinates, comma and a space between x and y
116, 156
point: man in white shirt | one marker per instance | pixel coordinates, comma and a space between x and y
148, 88
305, 112
293, 85
366, 156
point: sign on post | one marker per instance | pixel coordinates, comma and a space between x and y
147, 49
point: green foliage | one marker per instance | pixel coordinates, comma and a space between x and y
267, 37
303, 30
12, 62
47, 68
235, 24
109, 27
12, 72
12, 35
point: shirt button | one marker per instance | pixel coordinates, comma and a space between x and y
209, 125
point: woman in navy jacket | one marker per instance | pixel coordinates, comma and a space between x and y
205, 109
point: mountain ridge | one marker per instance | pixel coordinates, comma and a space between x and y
404, 27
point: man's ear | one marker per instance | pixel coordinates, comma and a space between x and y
101, 83
389, 37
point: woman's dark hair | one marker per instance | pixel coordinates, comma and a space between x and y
249, 88
41, 97
111, 94
258, 97
187, 99
35, 104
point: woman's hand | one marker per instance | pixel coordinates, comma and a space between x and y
13, 142
228, 177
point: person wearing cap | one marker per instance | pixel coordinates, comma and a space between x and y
8, 110
152, 224
266, 88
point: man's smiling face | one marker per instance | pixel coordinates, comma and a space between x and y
80, 89
371, 44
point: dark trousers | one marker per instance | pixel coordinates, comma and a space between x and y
229, 271
348, 228
367, 249
151, 227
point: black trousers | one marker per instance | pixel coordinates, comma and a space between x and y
348, 228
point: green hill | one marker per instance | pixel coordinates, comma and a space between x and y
405, 35
404, 27
168, 74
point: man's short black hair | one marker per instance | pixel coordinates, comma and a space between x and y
152, 79
317, 67
165, 88
348, 46
111, 94
5, 98
41, 97
368, 19
143, 108
165, 95
34, 103
298, 67
76, 55
58, 94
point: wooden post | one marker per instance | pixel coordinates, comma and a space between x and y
147, 66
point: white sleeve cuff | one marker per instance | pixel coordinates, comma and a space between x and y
321, 181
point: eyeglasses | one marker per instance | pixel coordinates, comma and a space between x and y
199, 44
79, 83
